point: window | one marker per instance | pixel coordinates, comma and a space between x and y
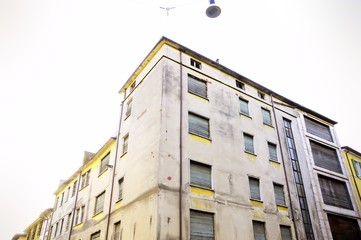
129, 108
131, 88
68, 219
279, 194
56, 229
85, 179
334, 192
95, 236
286, 233
61, 226
240, 85
201, 175
261, 95
202, 225
99, 203
197, 86
120, 188
56, 203
196, 64
254, 188
62, 199
39, 227
244, 106
125, 143
259, 230
74, 188
104, 163
316, 128
272, 151
357, 166
325, 157
248, 143
67, 194
343, 227
79, 215
116, 234
198, 125
266, 115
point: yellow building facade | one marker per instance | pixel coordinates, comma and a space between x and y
353, 163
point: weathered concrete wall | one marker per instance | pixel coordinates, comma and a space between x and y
224, 151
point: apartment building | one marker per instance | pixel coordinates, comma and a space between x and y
38, 229
81, 205
203, 152
352, 160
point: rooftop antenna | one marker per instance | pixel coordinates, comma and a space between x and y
213, 10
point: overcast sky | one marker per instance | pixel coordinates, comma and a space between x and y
63, 62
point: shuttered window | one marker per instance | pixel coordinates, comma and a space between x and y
129, 108
244, 106
120, 188
99, 203
357, 167
279, 194
325, 157
125, 143
272, 150
116, 235
198, 125
254, 188
202, 225
266, 115
316, 128
201, 175
197, 86
259, 232
85, 179
104, 163
95, 236
74, 188
248, 143
334, 192
344, 228
286, 233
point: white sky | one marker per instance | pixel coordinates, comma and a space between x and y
63, 62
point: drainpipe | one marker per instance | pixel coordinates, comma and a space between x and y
353, 176
74, 208
283, 165
114, 168
180, 144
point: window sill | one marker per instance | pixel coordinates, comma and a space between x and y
197, 135
256, 200
97, 215
123, 154
251, 153
81, 189
246, 115
126, 116
203, 97
119, 200
268, 125
100, 174
274, 161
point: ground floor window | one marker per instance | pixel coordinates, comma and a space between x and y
202, 225
343, 227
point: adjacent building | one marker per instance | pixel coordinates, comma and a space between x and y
352, 159
203, 152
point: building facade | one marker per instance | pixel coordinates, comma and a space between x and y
352, 159
204, 153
